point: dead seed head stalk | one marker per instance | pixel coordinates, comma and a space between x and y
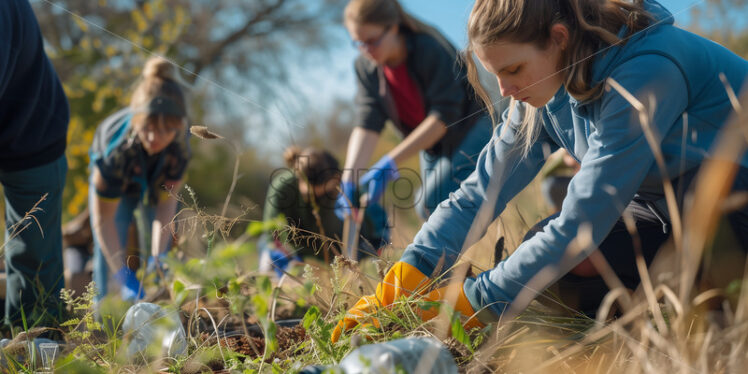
202, 132
24, 223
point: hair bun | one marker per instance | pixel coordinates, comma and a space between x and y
159, 67
291, 155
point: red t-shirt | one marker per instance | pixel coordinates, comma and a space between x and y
405, 93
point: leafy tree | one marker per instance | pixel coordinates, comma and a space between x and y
723, 21
228, 50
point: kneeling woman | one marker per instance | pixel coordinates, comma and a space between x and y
305, 194
139, 155
555, 59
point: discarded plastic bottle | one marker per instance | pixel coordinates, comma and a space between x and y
40, 352
146, 324
408, 355
48, 352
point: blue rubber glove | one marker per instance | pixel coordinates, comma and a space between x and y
156, 262
346, 200
376, 179
130, 288
281, 261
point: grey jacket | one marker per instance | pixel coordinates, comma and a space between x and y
437, 69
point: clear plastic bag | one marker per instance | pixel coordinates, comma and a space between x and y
148, 325
408, 355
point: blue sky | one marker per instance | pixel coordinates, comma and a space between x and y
449, 16
322, 84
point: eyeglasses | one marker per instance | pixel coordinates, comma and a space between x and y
158, 125
160, 130
373, 42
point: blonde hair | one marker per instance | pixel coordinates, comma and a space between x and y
592, 25
159, 79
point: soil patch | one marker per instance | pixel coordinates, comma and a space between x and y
253, 346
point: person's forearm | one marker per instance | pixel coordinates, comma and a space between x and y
360, 148
160, 232
105, 229
428, 133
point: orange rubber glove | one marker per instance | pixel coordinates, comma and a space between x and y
403, 279
461, 304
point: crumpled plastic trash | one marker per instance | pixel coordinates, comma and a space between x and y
3, 344
411, 355
407, 355
148, 324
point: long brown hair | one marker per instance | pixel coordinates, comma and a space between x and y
159, 79
384, 13
592, 25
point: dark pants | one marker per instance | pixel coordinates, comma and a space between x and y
33, 257
584, 294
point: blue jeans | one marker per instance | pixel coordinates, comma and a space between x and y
442, 174
33, 257
123, 217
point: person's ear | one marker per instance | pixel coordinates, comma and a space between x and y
396, 28
560, 36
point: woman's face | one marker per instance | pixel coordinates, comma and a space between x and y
524, 71
157, 132
377, 43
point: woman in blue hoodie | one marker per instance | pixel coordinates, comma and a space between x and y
556, 59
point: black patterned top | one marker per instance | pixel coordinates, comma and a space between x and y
126, 167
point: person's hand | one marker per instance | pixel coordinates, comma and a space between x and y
130, 287
155, 264
376, 179
345, 202
460, 304
402, 279
280, 261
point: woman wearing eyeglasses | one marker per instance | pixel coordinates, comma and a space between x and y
139, 155
410, 74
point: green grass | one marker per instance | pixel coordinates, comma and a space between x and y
689, 314
543, 338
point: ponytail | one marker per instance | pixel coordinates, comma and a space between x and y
159, 86
291, 156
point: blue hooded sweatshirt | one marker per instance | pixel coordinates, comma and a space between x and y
678, 69
34, 111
